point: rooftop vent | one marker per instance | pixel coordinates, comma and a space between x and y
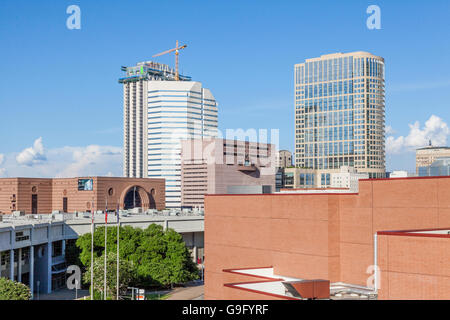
309, 289
18, 213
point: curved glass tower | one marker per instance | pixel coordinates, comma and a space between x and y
339, 113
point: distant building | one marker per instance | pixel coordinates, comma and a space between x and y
284, 159
345, 177
426, 156
279, 179
45, 195
210, 166
439, 167
255, 189
401, 174
295, 178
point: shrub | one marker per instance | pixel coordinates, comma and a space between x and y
12, 290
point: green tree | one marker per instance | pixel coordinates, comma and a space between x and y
126, 275
12, 290
160, 257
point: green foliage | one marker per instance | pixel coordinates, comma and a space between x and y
155, 296
126, 274
12, 290
72, 253
159, 257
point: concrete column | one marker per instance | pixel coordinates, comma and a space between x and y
49, 265
63, 248
19, 265
11, 264
31, 284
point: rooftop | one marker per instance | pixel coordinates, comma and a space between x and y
150, 70
272, 285
19, 218
433, 148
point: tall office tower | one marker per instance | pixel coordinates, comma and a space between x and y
339, 113
158, 113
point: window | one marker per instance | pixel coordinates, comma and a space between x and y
57, 248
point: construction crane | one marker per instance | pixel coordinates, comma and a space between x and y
176, 49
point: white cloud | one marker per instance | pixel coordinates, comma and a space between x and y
435, 129
33, 155
92, 160
2, 158
389, 130
68, 161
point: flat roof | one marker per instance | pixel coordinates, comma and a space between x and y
271, 284
429, 148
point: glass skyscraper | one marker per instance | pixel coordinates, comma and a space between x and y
339, 113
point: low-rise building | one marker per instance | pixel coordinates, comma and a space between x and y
348, 177
345, 177
33, 246
45, 195
210, 166
401, 174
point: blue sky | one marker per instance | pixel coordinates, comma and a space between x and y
61, 85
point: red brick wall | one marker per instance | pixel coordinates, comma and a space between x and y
316, 236
414, 267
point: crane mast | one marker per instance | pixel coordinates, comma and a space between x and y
176, 49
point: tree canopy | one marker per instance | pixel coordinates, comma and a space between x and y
158, 257
126, 274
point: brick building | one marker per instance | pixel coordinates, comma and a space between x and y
332, 237
41, 195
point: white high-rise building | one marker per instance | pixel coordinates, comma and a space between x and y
158, 113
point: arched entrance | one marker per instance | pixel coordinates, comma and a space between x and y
132, 200
134, 197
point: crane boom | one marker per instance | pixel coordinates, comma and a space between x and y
176, 49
